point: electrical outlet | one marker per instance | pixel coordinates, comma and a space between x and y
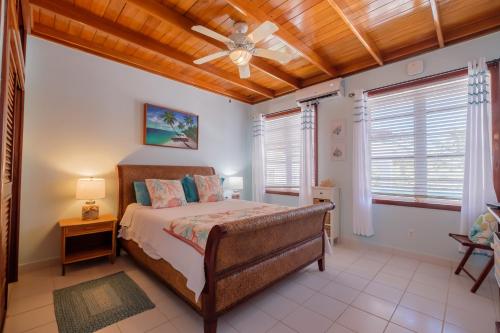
411, 233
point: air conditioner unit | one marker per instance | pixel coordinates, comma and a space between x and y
321, 90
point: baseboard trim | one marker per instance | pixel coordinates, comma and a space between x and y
34, 265
354, 243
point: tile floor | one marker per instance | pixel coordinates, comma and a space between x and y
365, 292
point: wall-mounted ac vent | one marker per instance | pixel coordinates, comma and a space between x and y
322, 90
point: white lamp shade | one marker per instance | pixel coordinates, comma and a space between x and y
90, 188
235, 183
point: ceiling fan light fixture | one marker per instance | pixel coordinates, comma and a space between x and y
241, 47
240, 57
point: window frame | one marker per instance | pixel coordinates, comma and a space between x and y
408, 85
293, 191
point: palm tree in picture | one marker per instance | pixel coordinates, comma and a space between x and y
169, 118
189, 121
181, 126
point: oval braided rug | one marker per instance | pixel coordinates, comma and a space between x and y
92, 305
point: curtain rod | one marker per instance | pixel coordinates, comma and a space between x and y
491, 62
281, 113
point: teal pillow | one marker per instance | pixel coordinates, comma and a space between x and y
190, 190
141, 194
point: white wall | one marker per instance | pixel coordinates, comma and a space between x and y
83, 116
392, 223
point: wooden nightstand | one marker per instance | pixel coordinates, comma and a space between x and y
332, 220
84, 240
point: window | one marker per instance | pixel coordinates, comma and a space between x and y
282, 141
417, 142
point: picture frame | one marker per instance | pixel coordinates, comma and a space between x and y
338, 152
338, 128
170, 128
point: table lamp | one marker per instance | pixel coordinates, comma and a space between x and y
236, 185
90, 189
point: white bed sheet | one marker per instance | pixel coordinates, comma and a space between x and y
144, 225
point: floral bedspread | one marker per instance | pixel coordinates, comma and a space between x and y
194, 230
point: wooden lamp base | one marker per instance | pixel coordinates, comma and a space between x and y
90, 211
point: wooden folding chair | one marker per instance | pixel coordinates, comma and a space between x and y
471, 246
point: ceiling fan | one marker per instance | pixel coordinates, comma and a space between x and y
241, 47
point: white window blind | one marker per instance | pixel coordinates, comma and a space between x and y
282, 151
417, 142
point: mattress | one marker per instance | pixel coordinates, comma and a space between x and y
146, 226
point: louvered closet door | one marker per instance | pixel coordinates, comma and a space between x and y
10, 145
8, 129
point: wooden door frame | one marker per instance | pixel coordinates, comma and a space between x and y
3, 90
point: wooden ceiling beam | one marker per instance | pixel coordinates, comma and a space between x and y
77, 14
184, 23
437, 22
474, 28
98, 50
276, 73
248, 8
367, 42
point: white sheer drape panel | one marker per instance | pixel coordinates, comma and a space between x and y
478, 172
308, 114
362, 198
258, 172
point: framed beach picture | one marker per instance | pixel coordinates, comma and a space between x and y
170, 128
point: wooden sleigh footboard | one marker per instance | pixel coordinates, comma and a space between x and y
246, 257
241, 258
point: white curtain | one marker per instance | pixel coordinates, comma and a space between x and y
478, 173
258, 173
308, 114
361, 194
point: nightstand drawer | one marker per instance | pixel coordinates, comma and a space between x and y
88, 229
322, 193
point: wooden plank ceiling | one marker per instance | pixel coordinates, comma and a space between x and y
329, 38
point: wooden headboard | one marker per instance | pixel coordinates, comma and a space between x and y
127, 174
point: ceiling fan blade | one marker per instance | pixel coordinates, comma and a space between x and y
210, 33
280, 57
262, 31
211, 57
244, 71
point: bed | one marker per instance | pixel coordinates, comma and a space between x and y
241, 258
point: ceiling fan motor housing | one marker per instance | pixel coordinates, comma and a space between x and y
240, 40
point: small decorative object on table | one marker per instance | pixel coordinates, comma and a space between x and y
235, 185
90, 189
84, 240
327, 183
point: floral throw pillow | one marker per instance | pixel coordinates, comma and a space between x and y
209, 188
166, 193
483, 229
